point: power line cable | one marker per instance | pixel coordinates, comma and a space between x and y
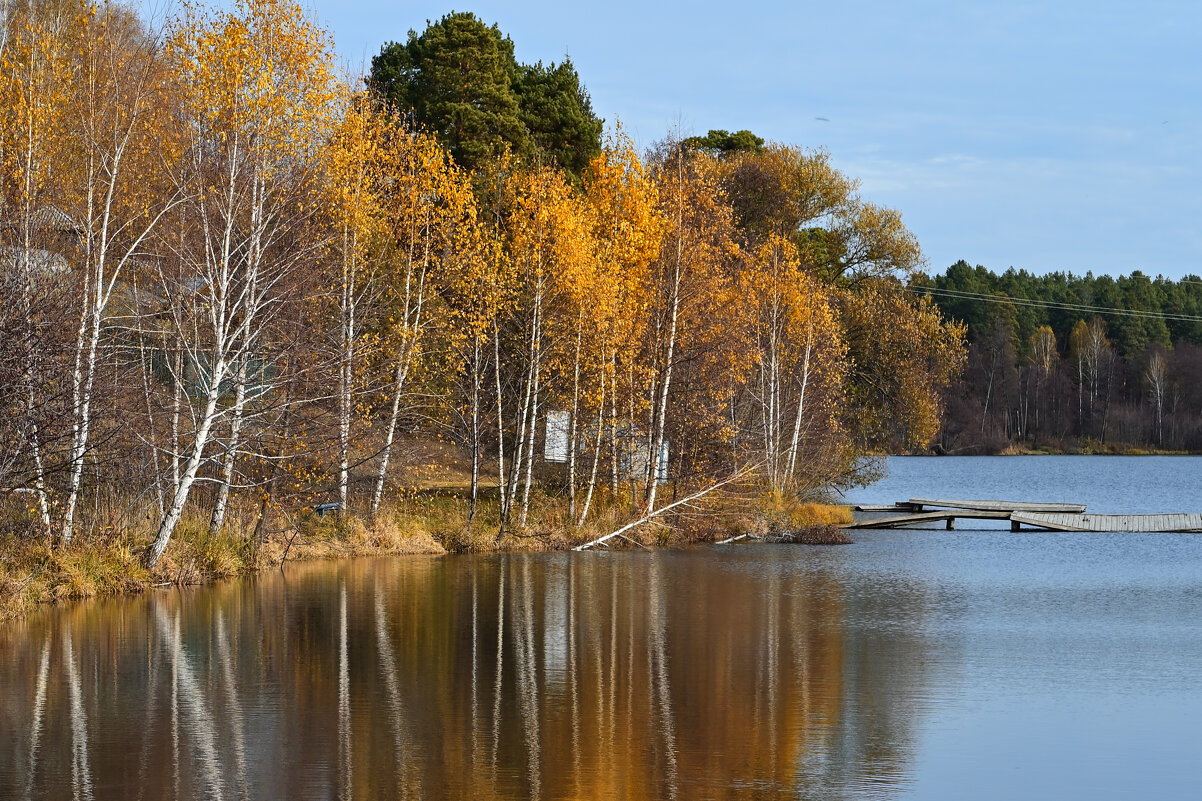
1047, 304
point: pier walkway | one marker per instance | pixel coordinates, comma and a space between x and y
1040, 516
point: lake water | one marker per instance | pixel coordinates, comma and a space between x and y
911, 664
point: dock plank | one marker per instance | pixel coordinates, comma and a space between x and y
1132, 524
929, 517
999, 506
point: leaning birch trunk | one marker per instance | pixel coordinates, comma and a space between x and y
398, 387
657, 444
801, 400
389, 436
621, 532
96, 296
231, 454
530, 454
219, 268
176, 509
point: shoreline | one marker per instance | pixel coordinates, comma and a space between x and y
35, 575
1014, 450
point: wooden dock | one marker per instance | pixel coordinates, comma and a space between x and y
1039, 516
1134, 524
999, 506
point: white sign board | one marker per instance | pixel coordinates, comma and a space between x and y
555, 446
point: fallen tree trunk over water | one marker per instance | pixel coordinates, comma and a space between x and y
647, 518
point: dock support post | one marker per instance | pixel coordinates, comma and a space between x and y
951, 524
1014, 526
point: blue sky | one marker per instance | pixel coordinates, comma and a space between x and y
1045, 136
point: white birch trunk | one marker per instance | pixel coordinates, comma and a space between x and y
475, 483
592, 482
176, 509
346, 373
537, 369
105, 164
801, 401
232, 312
657, 445
146, 394
177, 391
613, 423
573, 427
502, 483
231, 454
524, 423
246, 340
408, 354
39, 475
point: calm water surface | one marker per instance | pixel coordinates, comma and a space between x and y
922, 664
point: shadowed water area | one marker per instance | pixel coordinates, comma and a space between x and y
924, 664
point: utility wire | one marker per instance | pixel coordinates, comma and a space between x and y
1047, 304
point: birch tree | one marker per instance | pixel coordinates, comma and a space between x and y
688, 280
354, 183
1044, 356
424, 202
628, 235
544, 235
37, 71
799, 356
258, 100
474, 290
126, 147
1157, 376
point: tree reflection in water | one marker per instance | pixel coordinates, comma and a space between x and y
689, 674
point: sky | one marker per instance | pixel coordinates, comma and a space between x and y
1040, 136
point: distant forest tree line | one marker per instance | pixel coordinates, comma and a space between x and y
1068, 362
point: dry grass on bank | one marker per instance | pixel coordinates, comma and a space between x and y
34, 573
429, 522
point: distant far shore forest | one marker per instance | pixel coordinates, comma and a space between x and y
1074, 364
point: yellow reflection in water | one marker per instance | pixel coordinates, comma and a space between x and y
591, 676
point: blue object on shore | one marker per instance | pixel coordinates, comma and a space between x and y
322, 508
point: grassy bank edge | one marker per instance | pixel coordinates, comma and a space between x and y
34, 574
